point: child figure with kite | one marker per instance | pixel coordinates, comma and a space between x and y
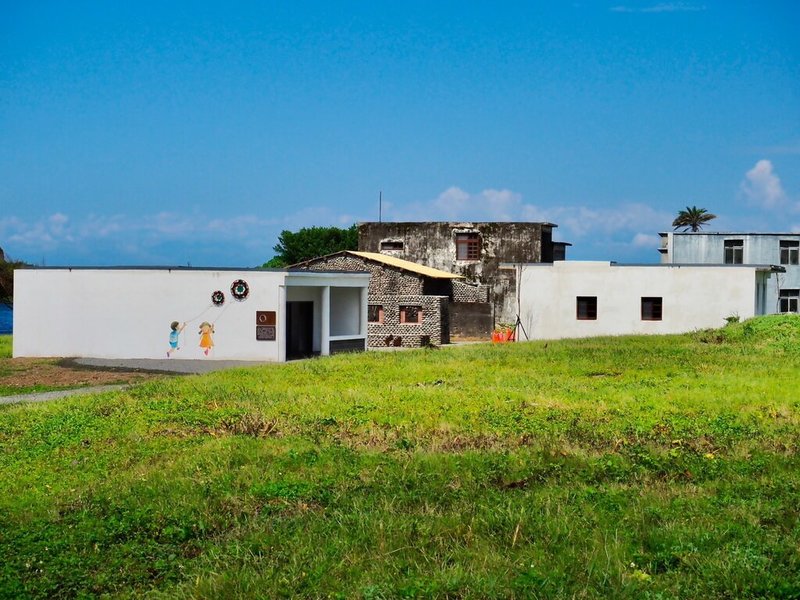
206, 341
174, 337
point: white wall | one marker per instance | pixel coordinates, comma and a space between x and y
694, 297
118, 313
345, 311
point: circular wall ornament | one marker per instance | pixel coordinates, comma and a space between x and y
240, 289
218, 298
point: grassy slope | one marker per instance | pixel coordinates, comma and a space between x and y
635, 467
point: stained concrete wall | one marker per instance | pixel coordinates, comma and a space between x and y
694, 297
471, 320
434, 244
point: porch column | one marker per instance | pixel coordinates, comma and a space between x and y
325, 322
364, 298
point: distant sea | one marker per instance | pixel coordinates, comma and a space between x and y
5, 319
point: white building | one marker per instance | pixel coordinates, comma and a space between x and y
573, 299
240, 314
783, 295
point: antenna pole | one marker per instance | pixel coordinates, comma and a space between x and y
380, 205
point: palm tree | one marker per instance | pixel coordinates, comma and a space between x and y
692, 218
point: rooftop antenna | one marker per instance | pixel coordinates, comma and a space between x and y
380, 205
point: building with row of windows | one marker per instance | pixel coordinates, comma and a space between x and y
780, 249
576, 299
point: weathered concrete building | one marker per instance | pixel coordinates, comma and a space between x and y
475, 250
722, 248
409, 304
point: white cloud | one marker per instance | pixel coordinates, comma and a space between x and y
623, 222
645, 240
664, 7
580, 221
134, 239
455, 204
762, 186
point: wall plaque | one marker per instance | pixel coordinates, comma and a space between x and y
265, 333
265, 317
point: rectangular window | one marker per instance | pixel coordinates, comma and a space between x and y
587, 308
652, 308
734, 252
411, 314
790, 252
391, 245
468, 246
789, 301
375, 313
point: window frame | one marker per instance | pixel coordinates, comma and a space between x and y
789, 252
589, 304
381, 313
736, 248
789, 301
404, 315
470, 242
655, 310
392, 246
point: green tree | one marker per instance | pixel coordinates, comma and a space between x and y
692, 218
311, 242
7, 278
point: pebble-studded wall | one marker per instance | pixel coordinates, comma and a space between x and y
433, 327
391, 288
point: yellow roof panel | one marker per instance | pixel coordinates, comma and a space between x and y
407, 265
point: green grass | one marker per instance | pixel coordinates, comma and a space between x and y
5, 346
636, 467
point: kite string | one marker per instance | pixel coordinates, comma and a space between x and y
204, 311
222, 312
195, 318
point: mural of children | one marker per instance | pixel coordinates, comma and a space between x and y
206, 342
174, 337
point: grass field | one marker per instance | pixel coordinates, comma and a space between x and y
638, 467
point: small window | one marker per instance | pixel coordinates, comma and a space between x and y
391, 245
587, 308
651, 308
734, 252
790, 252
375, 313
789, 301
411, 314
468, 246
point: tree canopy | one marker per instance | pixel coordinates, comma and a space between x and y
311, 242
692, 218
7, 267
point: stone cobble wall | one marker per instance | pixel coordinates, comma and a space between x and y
384, 279
392, 288
434, 328
465, 292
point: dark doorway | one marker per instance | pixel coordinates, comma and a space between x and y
299, 329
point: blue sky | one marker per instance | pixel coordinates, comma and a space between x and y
173, 133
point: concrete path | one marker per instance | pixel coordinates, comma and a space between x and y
165, 365
44, 396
